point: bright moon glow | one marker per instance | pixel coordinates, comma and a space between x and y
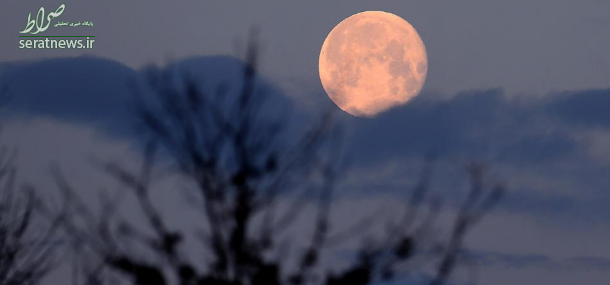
371, 62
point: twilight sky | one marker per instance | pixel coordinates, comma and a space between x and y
523, 86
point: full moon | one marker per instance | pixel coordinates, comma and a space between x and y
371, 62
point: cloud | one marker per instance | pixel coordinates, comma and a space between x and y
534, 140
83, 89
550, 150
481, 124
519, 261
587, 108
104, 93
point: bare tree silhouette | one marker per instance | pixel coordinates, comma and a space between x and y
241, 169
26, 249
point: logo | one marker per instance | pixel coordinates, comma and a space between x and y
39, 20
40, 24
